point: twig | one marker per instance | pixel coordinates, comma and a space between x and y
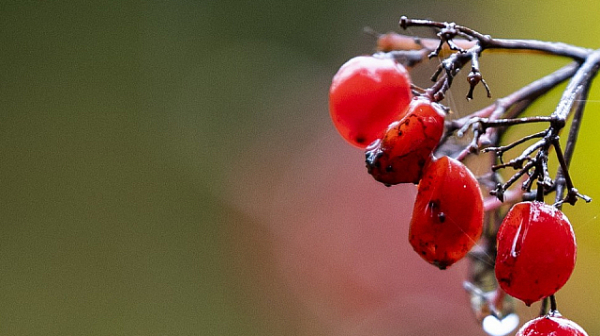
487, 42
570, 146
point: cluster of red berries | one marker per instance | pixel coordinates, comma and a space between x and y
373, 107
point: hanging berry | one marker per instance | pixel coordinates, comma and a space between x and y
553, 324
536, 251
407, 144
366, 95
447, 218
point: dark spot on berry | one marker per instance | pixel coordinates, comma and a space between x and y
433, 204
389, 169
507, 281
442, 217
360, 139
399, 133
440, 264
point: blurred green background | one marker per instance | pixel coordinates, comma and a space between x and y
169, 168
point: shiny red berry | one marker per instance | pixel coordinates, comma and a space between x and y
447, 218
553, 324
366, 95
406, 147
536, 251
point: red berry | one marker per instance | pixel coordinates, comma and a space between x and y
536, 251
553, 324
366, 95
407, 144
447, 218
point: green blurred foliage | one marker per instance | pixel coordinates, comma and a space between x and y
131, 132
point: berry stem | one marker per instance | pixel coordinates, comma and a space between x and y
576, 91
553, 48
501, 149
544, 306
486, 123
586, 72
570, 146
572, 193
553, 307
449, 30
515, 103
533, 90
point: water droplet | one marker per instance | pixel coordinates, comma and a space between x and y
495, 327
516, 244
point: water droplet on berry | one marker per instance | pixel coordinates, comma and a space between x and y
516, 246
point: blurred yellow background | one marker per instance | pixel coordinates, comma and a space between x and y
169, 168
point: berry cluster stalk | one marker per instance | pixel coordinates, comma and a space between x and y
408, 138
462, 46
